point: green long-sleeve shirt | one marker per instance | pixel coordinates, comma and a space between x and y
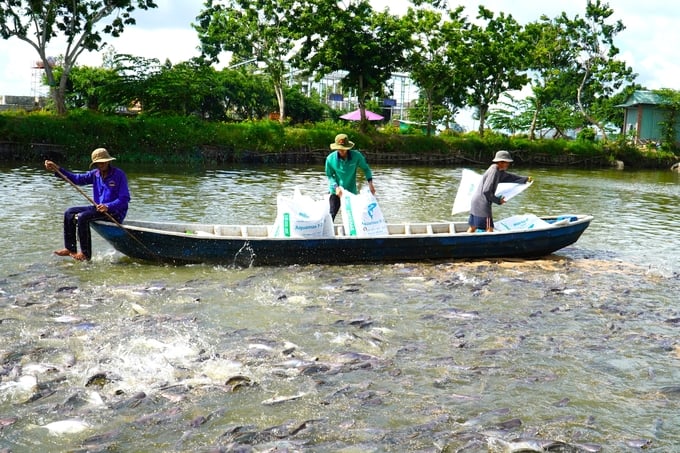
343, 172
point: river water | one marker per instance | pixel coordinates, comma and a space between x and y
576, 352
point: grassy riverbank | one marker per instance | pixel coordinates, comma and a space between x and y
143, 139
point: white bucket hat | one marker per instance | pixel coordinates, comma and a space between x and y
502, 156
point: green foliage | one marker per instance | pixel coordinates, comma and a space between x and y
264, 135
669, 133
434, 46
495, 140
89, 87
331, 124
450, 133
512, 115
586, 134
189, 140
259, 31
187, 89
471, 143
550, 147
367, 45
303, 109
425, 112
391, 129
427, 144
636, 157
575, 71
597, 74
451, 59
81, 24
495, 60
582, 147
246, 96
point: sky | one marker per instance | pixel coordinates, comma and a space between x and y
647, 44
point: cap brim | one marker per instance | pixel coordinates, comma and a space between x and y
337, 146
98, 161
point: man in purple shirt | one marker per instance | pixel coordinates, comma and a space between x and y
110, 195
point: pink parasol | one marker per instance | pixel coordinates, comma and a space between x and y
356, 116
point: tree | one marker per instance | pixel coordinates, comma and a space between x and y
560, 117
39, 22
432, 59
88, 87
130, 86
607, 108
249, 96
303, 109
593, 52
186, 89
366, 45
551, 69
189, 88
423, 111
251, 30
512, 115
496, 59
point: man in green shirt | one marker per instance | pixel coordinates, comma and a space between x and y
341, 170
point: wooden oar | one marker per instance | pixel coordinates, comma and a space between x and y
111, 218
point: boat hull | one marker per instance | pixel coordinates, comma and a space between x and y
183, 243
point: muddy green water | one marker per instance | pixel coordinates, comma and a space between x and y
580, 348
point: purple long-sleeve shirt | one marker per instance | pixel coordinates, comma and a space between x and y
112, 191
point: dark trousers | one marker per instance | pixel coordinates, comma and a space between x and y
334, 201
77, 221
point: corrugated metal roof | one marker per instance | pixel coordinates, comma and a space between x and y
643, 97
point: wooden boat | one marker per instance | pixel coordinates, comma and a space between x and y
252, 245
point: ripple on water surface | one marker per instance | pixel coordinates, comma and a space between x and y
400, 356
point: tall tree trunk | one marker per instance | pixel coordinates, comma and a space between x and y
363, 123
585, 114
428, 93
532, 128
278, 89
59, 100
483, 110
57, 90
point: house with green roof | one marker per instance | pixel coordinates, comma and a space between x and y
644, 111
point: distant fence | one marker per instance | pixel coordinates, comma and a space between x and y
318, 156
21, 152
27, 103
34, 152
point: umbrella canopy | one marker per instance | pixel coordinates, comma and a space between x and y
356, 116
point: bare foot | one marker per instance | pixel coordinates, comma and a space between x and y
80, 256
63, 252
